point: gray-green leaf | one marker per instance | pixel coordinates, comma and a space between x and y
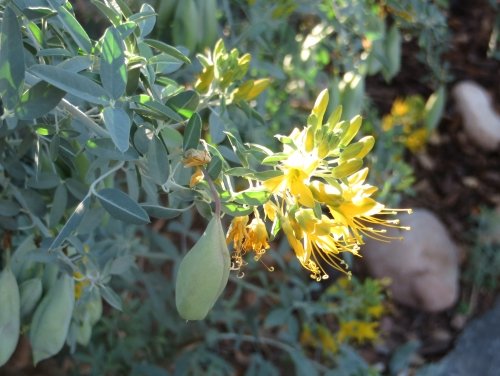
118, 124
113, 71
121, 206
11, 59
73, 83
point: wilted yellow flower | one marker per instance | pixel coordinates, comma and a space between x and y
256, 239
237, 231
194, 157
196, 177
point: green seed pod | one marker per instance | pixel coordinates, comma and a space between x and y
51, 320
203, 273
9, 314
31, 292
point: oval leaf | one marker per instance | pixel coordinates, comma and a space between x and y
192, 133
113, 71
121, 206
73, 83
118, 124
11, 59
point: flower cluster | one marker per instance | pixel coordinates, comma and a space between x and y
320, 199
408, 114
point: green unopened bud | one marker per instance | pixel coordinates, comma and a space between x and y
334, 118
346, 168
320, 106
9, 315
258, 87
203, 273
352, 130
359, 149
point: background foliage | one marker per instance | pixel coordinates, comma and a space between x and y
92, 136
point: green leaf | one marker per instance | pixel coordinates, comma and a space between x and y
217, 128
11, 59
146, 19
73, 83
192, 133
157, 161
38, 100
118, 124
168, 49
73, 27
111, 297
58, 205
235, 210
121, 206
185, 103
214, 168
71, 224
275, 158
33, 13
253, 197
113, 71
161, 211
111, 14
147, 106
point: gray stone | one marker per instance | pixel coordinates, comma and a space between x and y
423, 267
477, 350
481, 122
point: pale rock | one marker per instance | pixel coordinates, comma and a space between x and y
481, 122
423, 267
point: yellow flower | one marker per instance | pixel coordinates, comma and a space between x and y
327, 340
361, 331
256, 238
357, 210
387, 123
416, 140
297, 172
375, 311
80, 283
317, 242
270, 210
400, 108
